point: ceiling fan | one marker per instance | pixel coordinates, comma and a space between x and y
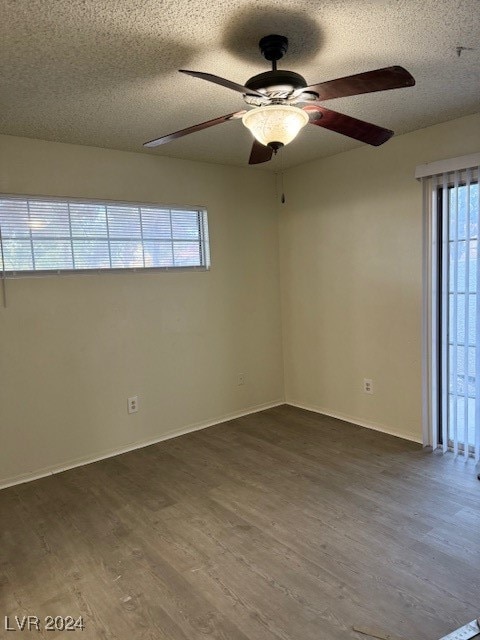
275, 119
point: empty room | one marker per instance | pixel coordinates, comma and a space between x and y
239, 321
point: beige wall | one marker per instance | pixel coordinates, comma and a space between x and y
73, 348
351, 277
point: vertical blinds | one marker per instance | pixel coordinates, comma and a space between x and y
456, 204
67, 235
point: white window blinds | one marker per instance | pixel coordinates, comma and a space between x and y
454, 201
45, 235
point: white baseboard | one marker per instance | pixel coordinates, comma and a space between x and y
79, 462
360, 423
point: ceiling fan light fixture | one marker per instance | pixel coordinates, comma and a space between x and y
275, 124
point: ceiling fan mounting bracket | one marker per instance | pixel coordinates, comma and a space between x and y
273, 47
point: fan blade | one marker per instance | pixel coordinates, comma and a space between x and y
196, 127
348, 126
260, 153
368, 82
223, 82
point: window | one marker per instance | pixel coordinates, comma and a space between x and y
62, 235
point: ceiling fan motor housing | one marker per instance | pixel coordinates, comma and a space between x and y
268, 81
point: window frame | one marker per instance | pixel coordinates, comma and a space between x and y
204, 242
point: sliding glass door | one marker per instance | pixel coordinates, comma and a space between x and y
459, 312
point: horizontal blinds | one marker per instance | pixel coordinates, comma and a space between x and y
65, 235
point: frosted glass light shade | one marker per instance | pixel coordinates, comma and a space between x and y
275, 123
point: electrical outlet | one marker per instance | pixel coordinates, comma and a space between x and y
368, 386
132, 404
241, 379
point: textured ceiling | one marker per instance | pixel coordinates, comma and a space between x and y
104, 72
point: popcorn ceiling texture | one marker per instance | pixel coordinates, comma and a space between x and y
104, 73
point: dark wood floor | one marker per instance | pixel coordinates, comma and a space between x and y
283, 525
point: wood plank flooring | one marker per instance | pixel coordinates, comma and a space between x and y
282, 525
